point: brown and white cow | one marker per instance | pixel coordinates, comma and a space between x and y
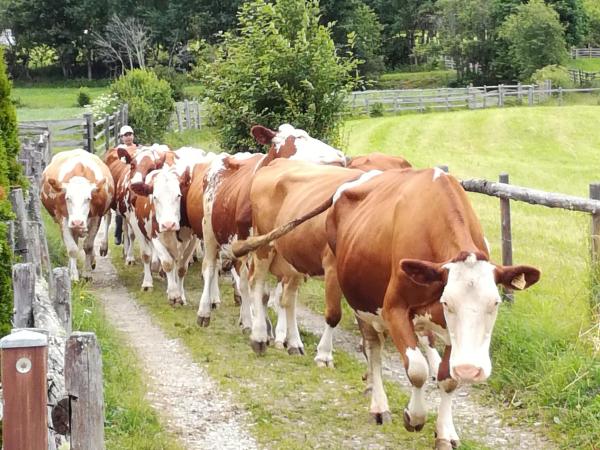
227, 214
160, 215
411, 259
77, 190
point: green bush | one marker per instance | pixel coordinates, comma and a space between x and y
10, 174
175, 79
281, 66
376, 110
559, 76
83, 97
150, 103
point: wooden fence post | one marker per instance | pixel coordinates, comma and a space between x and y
23, 277
115, 117
178, 114
506, 234
61, 297
560, 96
83, 380
501, 95
89, 132
595, 194
25, 422
187, 115
126, 113
106, 132
21, 223
484, 96
198, 124
530, 96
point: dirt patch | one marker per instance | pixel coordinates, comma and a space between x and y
190, 404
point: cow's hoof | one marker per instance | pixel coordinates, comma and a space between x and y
103, 251
260, 348
93, 265
215, 305
295, 350
407, 424
130, 262
146, 288
162, 274
445, 444
381, 418
279, 345
325, 363
203, 321
86, 278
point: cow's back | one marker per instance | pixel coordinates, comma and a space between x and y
286, 190
378, 161
398, 214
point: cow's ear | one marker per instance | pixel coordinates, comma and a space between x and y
424, 272
142, 189
55, 185
263, 135
185, 179
124, 154
516, 277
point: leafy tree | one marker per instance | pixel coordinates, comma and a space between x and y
571, 14
281, 66
150, 103
592, 13
534, 37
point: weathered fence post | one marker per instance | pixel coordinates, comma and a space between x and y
25, 421
501, 95
484, 96
198, 124
125, 113
178, 114
560, 96
61, 297
519, 93
107, 132
21, 223
115, 117
23, 277
188, 124
83, 380
89, 132
595, 194
506, 231
530, 96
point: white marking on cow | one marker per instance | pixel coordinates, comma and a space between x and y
350, 184
487, 245
78, 156
308, 148
444, 426
375, 320
418, 368
437, 172
78, 194
471, 302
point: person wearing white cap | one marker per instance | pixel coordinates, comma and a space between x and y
127, 136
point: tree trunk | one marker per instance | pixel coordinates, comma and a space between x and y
90, 56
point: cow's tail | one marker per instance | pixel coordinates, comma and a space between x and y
241, 248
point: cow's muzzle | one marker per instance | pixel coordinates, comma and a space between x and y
466, 373
169, 226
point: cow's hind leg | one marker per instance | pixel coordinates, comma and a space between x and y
245, 294
210, 275
288, 301
104, 242
333, 312
259, 336
128, 240
72, 250
373, 345
433, 357
446, 436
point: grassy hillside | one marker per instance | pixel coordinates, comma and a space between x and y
543, 346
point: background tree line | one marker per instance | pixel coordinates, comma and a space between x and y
486, 38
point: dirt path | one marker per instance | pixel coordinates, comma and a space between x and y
473, 420
188, 401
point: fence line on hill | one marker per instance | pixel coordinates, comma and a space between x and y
51, 404
581, 77
91, 133
587, 52
188, 115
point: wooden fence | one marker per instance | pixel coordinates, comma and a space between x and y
95, 134
581, 77
50, 376
187, 115
587, 52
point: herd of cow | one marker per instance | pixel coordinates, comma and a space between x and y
403, 246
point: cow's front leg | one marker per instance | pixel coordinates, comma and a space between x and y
210, 275
416, 366
373, 345
93, 224
104, 241
128, 240
275, 303
288, 301
184, 257
168, 264
446, 436
72, 249
245, 295
433, 357
259, 336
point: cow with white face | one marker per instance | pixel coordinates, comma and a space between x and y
158, 215
77, 190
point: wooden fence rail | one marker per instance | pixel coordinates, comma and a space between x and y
91, 133
588, 52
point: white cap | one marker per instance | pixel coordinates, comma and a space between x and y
125, 129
